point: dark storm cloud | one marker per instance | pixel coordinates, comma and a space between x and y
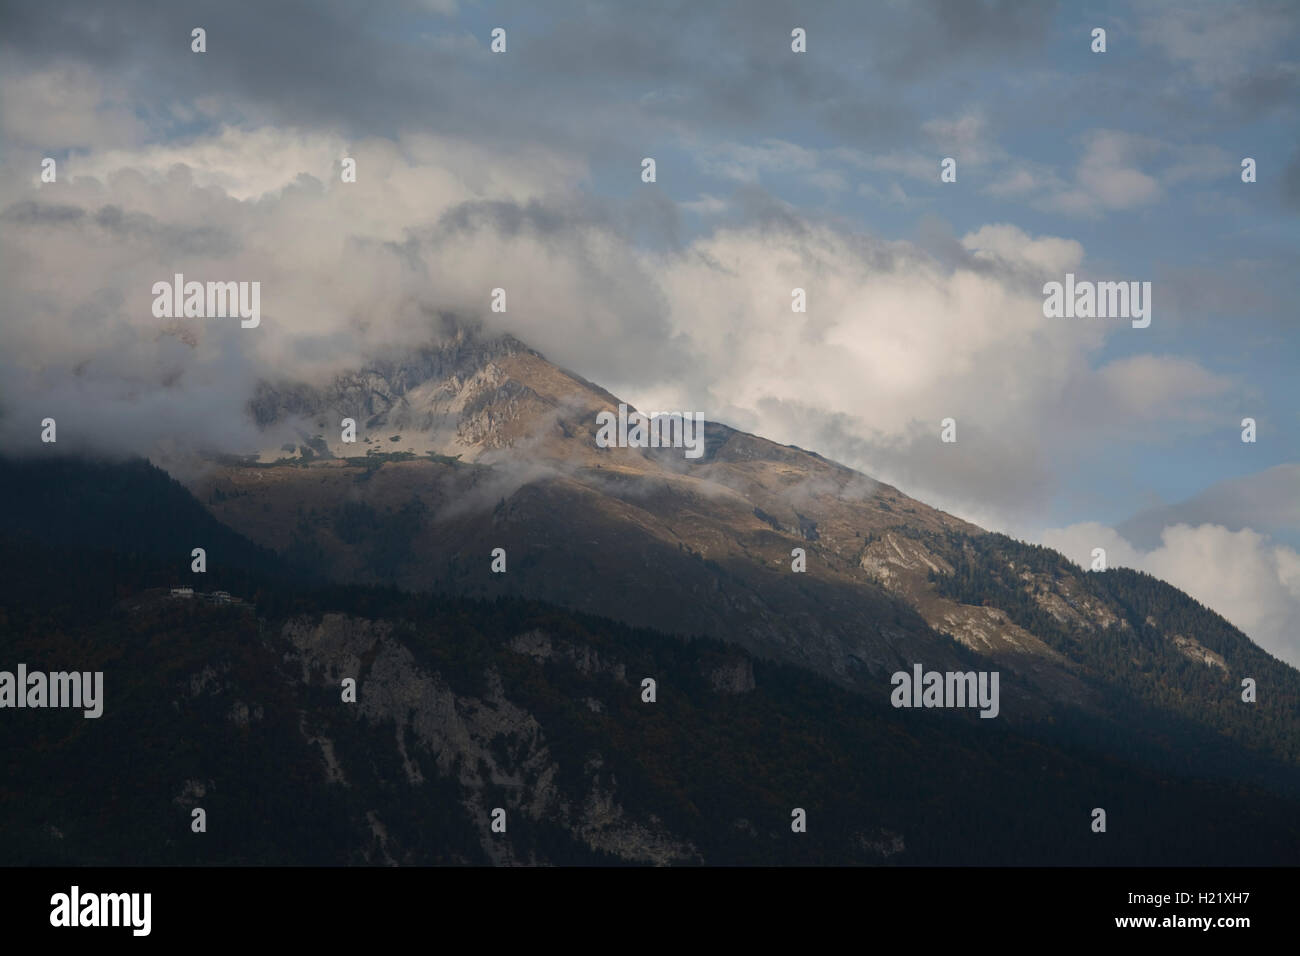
510, 218
186, 240
728, 67
302, 62
31, 213
940, 34
1265, 87
765, 211
1240, 56
578, 80
647, 217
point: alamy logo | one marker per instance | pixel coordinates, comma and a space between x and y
1099, 300
103, 909
652, 430
215, 300
949, 689
59, 689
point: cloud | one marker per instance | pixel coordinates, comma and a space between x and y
897, 337
1108, 177
1232, 49
1117, 171
1012, 248
1243, 575
66, 106
1160, 388
1266, 501
346, 271
966, 137
605, 78
225, 166
747, 163
894, 341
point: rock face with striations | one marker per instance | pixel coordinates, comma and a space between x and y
494, 749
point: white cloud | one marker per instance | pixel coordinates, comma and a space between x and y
894, 340
1107, 176
1117, 171
1243, 575
1008, 244
65, 106
341, 277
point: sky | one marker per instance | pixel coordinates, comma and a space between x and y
774, 169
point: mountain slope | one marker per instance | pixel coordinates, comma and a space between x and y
704, 547
466, 706
695, 547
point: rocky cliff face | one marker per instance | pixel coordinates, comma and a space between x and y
495, 750
456, 398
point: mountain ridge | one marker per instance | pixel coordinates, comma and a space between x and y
469, 704
706, 547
